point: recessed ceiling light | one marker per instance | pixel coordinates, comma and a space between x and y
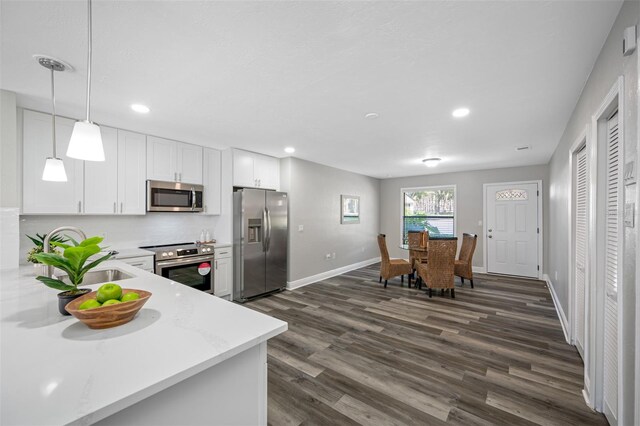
431, 162
289, 150
142, 109
371, 115
460, 112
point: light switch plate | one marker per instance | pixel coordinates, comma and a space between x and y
300, 228
629, 215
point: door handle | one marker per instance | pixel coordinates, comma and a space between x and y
193, 199
264, 229
268, 229
121, 207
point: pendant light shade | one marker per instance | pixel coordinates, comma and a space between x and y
54, 170
86, 141
53, 167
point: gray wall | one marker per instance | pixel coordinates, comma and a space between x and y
314, 203
608, 67
469, 197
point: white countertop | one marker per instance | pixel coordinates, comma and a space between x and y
56, 370
131, 252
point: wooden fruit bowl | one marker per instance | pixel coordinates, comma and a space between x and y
108, 316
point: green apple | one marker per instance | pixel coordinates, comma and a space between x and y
89, 304
111, 302
108, 291
127, 297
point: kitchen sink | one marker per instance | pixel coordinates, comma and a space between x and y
102, 276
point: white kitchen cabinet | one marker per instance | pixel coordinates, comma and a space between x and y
223, 272
255, 170
132, 155
143, 262
173, 161
40, 197
117, 185
211, 172
101, 177
267, 171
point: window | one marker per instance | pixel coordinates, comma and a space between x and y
430, 208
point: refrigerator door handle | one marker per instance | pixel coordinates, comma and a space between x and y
264, 229
268, 230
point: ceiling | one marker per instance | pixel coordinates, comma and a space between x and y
265, 75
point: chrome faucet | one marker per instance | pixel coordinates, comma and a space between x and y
51, 234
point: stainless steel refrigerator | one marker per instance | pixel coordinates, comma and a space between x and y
260, 228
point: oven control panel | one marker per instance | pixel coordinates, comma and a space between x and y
174, 252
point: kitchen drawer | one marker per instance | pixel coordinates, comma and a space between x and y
142, 262
223, 252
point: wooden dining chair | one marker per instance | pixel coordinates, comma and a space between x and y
390, 268
438, 272
463, 268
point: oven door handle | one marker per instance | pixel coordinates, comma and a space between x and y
183, 261
193, 199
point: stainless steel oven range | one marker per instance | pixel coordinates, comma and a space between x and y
185, 263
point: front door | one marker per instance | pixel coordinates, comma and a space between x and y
512, 229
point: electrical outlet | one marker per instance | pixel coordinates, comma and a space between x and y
479, 223
333, 255
300, 228
327, 256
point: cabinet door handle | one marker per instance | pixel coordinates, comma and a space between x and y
79, 206
175, 176
216, 265
121, 207
179, 176
205, 208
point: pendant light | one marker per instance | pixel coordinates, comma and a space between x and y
86, 141
54, 167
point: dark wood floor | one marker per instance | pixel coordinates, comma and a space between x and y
356, 353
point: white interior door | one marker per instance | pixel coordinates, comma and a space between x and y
612, 238
512, 229
580, 246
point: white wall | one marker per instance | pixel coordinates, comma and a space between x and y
608, 67
9, 183
469, 197
314, 203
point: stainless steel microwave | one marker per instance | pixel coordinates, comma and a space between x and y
173, 197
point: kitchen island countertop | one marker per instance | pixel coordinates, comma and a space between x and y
55, 370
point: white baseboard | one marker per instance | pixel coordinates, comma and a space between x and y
292, 285
479, 269
561, 316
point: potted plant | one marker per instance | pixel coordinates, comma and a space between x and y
38, 242
73, 261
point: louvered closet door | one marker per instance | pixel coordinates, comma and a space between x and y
581, 206
612, 235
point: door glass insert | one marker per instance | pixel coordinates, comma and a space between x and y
512, 195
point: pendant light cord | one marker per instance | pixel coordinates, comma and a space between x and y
89, 64
53, 110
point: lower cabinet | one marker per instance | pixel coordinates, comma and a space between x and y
223, 272
143, 262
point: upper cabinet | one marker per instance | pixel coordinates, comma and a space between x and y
212, 181
254, 170
173, 161
117, 185
40, 197
113, 186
